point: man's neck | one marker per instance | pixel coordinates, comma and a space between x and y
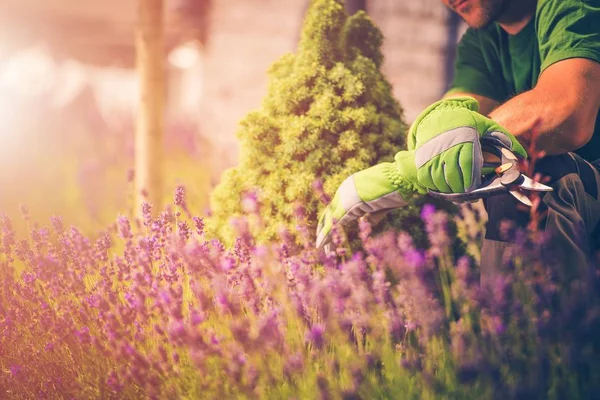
517, 15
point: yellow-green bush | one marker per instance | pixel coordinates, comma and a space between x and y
328, 113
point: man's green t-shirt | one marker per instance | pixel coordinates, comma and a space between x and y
497, 65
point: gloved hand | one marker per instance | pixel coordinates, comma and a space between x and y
447, 139
383, 187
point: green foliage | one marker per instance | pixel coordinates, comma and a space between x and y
328, 113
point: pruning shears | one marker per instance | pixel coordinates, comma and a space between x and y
506, 177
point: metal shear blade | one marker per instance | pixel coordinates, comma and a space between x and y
521, 197
530, 184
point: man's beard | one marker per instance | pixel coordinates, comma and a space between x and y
491, 11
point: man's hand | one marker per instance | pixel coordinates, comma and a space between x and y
447, 140
380, 188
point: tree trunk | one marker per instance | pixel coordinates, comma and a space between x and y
150, 59
354, 6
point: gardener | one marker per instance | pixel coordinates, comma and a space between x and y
519, 61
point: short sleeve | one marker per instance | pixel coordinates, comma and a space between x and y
568, 29
471, 72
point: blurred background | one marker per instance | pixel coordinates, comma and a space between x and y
69, 91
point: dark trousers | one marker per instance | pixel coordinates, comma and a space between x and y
570, 217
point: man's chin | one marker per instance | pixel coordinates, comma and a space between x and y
479, 24
482, 17
476, 22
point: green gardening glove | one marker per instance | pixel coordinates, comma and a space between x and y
447, 140
383, 187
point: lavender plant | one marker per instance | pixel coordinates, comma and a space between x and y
153, 308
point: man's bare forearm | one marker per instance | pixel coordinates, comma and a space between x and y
521, 113
565, 102
558, 130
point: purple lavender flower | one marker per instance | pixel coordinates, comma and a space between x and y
57, 224
498, 325
146, 213
83, 335
92, 300
365, 230
114, 383
180, 196
323, 386
199, 224
316, 336
436, 225
415, 258
15, 370
294, 364
183, 230
269, 331
427, 212
124, 227
29, 277
463, 267
196, 317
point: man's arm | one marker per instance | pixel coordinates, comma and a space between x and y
566, 100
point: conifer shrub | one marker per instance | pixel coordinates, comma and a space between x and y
329, 112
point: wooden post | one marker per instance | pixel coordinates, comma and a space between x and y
150, 64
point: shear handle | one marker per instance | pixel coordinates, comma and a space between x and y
491, 188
